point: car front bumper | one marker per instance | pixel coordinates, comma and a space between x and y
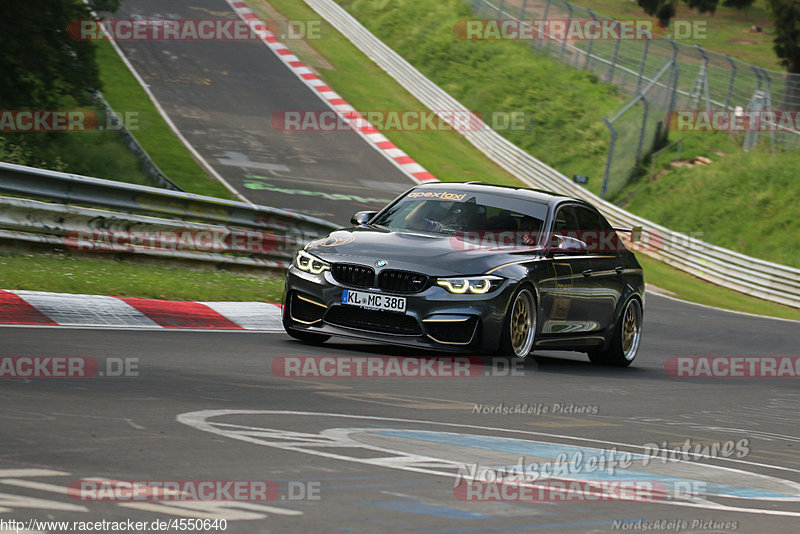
434, 318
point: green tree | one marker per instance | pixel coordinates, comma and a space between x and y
785, 16
40, 64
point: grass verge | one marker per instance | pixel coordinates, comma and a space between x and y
745, 201
81, 274
727, 31
126, 96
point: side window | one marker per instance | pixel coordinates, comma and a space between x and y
605, 225
565, 220
596, 232
588, 220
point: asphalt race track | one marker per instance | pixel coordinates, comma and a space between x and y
222, 95
214, 406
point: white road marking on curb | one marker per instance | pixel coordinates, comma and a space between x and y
85, 310
250, 315
329, 96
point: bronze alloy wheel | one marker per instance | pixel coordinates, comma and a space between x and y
627, 336
631, 329
522, 323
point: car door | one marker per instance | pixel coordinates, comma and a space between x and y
567, 293
606, 277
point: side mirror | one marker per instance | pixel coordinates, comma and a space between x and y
362, 217
563, 244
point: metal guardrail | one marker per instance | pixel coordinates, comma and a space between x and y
274, 234
759, 278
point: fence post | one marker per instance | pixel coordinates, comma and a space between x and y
674, 49
755, 107
613, 65
700, 86
676, 72
643, 62
611, 146
543, 25
522, 9
569, 22
730, 82
586, 64
644, 126
768, 104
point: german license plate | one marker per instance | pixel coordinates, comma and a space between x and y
373, 301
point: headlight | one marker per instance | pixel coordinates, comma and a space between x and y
476, 285
310, 264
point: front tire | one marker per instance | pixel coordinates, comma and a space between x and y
519, 331
308, 338
627, 338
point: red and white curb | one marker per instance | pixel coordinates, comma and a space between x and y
403, 161
20, 307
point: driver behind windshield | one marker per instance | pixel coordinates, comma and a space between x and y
428, 216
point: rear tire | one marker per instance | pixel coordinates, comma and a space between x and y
627, 338
519, 330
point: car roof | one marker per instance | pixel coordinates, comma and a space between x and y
538, 195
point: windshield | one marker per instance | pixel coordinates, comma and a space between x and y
445, 212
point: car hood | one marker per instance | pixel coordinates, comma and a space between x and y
431, 254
